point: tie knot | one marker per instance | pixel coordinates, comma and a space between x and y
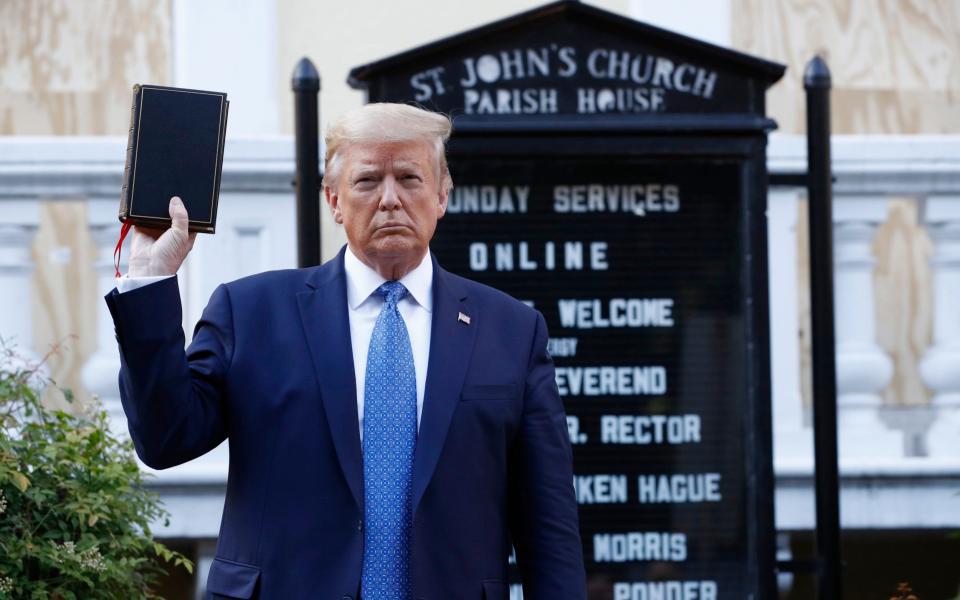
392, 292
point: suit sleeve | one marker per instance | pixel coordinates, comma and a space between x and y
544, 524
174, 400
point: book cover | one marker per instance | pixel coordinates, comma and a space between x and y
175, 148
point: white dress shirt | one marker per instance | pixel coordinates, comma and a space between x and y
363, 308
127, 283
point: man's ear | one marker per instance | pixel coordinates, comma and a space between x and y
333, 201
442, 201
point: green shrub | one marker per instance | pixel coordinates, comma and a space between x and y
74, 514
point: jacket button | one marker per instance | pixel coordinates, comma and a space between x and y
359, 524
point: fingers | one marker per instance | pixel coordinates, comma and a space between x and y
178, 214
148, 232
162, 251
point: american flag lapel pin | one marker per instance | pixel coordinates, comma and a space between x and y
462, 318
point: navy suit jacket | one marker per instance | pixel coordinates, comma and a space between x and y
270, 368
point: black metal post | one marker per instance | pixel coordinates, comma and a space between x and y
306, 88
816, 81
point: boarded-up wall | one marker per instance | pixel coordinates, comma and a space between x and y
67, 67
895, 63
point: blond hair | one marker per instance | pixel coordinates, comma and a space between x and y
386, 122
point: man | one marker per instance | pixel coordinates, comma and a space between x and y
393, 428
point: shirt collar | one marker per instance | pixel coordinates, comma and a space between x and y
362, 281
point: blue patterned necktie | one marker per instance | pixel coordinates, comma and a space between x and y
389, 438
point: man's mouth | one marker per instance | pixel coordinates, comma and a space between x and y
392, 227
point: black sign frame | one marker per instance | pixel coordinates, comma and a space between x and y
749, 148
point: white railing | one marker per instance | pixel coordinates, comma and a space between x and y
910, 448
254, 233
899, 458
869, 171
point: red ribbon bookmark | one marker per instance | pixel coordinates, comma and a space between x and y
116, 251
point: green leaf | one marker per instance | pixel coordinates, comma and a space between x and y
21, 481
80, 526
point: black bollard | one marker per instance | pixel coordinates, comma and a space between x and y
816, 82
306, 88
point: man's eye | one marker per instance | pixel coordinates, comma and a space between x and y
411, 177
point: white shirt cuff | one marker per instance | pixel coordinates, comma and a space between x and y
126, 283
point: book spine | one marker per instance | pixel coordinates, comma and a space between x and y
127, 182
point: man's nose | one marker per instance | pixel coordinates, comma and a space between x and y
389, 199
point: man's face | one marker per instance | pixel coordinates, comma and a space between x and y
388, 197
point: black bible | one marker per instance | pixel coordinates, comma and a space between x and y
175, 148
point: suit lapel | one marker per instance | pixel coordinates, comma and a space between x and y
451, 345
323, 312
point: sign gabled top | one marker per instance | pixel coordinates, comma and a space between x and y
568, 61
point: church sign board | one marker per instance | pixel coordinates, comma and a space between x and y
613, 175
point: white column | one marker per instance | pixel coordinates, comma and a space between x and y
16, 266
99, 374
206, 550
231, 46
713, 22
792, 441
863, 369
940, 367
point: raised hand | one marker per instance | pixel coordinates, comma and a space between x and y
155, 251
